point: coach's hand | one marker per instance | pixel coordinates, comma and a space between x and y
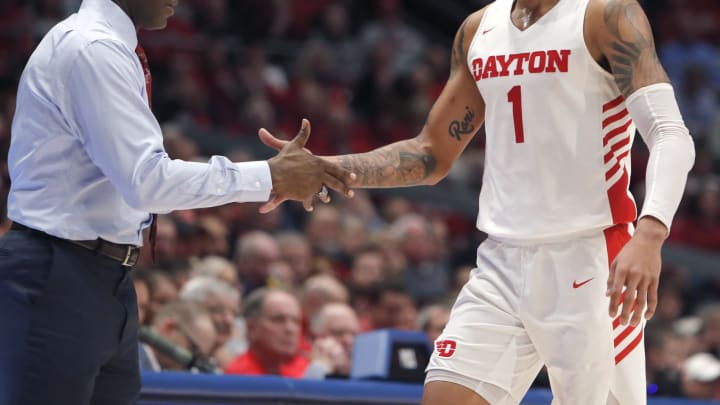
635, 273
299, 175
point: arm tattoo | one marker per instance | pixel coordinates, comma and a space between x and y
400, 164
465, 127
632, 58
458, 53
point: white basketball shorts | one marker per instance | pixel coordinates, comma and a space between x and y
529, 305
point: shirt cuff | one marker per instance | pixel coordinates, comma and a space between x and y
256, 183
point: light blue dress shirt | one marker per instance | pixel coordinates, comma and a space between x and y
86, 156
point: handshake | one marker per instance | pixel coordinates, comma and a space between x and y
299, 175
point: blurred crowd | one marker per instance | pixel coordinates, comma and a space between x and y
286, 292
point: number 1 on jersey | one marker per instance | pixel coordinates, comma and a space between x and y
515, 98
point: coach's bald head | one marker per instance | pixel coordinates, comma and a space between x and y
148, 14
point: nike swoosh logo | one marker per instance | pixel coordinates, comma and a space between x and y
578, 285
488, 30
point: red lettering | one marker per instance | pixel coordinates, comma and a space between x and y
558, 61
537, 62
520, 58
445, 348
504, 62
477, 68
490, 68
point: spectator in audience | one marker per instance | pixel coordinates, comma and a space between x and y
273, 331
697, 100
166, 240
187, 325
320, 290
214, 236
432, 320
177, 145
259, 73
710, 330
222, 302
702, 228
712, 145
353, 236
666, 355
426, 276
335, 33
281, 276
296, 251
396, 207
391, 29
670, 303
217, 267
393, 256
323, 230
363, 207
367, 272
334, 325
393, 308
368, 267
316, 292
701, 379
162, 291
142, 293
686, 47
178, 268
255, 252
191, 237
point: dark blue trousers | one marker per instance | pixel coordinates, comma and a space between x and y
68, 325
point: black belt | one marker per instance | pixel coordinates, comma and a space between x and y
127, 255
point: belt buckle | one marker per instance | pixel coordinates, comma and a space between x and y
128, 257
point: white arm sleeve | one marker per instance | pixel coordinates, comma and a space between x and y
672, 153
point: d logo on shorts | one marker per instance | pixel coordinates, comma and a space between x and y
445, 348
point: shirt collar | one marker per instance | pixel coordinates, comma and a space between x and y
116, 17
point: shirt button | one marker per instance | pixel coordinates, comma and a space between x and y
257, 184
219, 190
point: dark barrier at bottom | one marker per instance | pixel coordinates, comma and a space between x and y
202, 389
184, 388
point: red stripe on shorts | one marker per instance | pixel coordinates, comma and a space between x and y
615, 238
629, 348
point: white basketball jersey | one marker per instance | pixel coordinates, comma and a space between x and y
558, 133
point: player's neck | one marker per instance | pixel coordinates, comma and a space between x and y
535, 6
526, 12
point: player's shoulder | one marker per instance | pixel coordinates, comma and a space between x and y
604, 18
472, 22
601, 10
470, 25
602, 4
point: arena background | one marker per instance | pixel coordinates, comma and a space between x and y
365, 73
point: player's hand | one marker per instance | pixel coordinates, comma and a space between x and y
635, 273
299, 175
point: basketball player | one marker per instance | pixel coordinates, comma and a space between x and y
561, 86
